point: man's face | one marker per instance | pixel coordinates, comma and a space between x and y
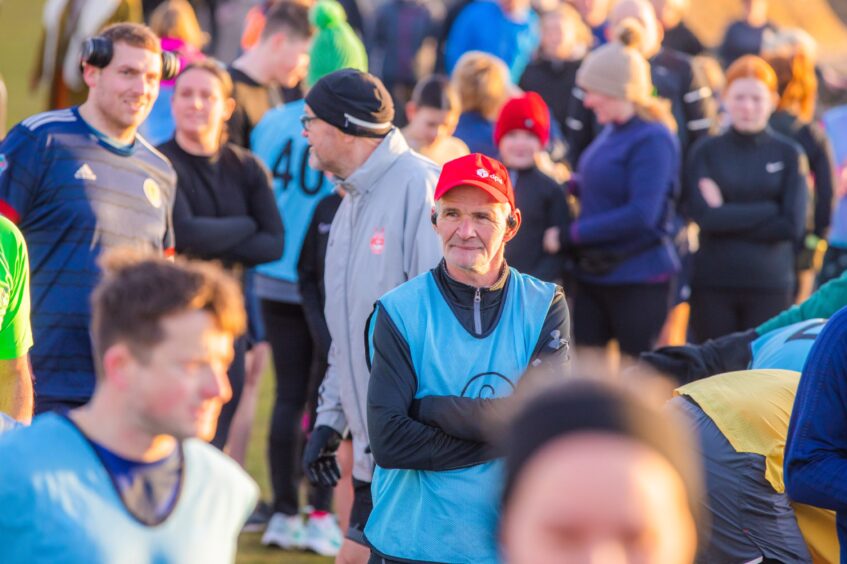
180, 390
326, 144
124, 91
473, 230
598, 498
291, 59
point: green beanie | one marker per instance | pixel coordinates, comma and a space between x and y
335, 46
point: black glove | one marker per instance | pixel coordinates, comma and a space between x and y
319, 463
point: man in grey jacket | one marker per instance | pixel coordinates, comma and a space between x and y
381, 237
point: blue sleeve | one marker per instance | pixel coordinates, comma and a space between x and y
653, 162
816, 446
459, 41
20, 172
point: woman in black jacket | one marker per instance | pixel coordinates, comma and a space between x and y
794, 118
746, 190
224, 208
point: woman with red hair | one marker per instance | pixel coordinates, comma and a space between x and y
746, 190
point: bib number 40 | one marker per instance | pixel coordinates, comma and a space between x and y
310, 181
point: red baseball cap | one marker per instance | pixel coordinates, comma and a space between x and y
480, 171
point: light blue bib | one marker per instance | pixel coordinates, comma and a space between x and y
451, 516
786, 347
298, 188
58, 504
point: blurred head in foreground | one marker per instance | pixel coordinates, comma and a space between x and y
163, 336
596, 475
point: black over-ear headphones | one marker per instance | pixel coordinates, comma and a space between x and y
97, 51
511, 221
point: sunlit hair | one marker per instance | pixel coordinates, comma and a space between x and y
797, 84
290, 17
176, 19
751, 66
482, 81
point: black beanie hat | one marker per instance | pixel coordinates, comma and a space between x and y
355, 102
585, 406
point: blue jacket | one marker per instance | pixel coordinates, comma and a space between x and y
482, 26
815, 459
477, 133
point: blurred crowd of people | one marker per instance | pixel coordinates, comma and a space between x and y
413, 209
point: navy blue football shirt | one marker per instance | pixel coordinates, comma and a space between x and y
75, 194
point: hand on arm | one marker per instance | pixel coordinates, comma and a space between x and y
472, 418
397, 440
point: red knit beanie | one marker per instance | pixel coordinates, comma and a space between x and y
527, 112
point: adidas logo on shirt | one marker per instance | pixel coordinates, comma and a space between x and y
85, 173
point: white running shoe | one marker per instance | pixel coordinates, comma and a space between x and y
285, 531
323, 535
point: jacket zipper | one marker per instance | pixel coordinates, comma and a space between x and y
477, 316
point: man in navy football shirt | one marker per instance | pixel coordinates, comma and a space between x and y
79, 182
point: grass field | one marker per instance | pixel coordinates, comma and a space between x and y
19, 29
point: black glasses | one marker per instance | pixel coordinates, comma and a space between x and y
306, 120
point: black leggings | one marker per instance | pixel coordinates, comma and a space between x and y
236, 375
631, 313
716, 312
288, 334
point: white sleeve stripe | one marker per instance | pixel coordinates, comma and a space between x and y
700, 124
574, 124
48, 117
696, 95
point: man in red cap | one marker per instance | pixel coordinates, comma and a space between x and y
442, 347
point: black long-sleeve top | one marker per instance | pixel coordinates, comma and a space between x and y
812, 138
224, 207
749, 241
543, 205
682, 39
554, 82
445, 432
310, 271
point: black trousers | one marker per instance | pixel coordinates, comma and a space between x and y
716, 312
631, 313
236, 373
289, 337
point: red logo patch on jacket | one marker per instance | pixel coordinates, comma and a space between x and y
378, 241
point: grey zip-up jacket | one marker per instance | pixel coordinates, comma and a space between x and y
381, 237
